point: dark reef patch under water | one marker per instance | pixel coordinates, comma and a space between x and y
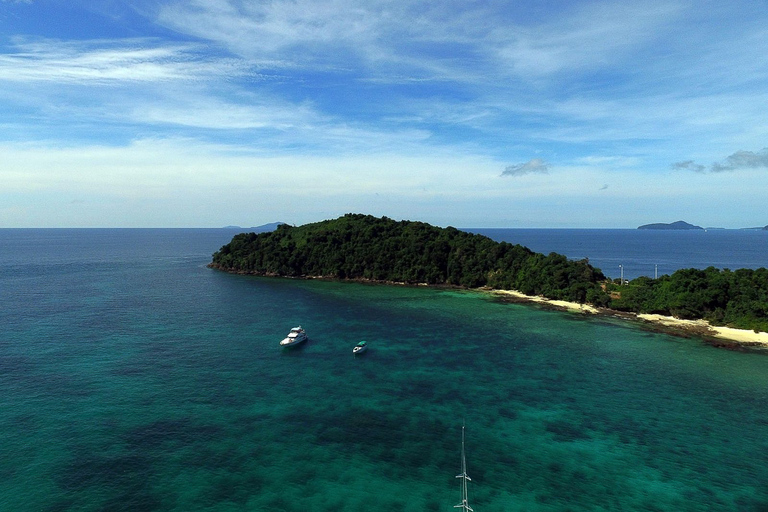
179, 398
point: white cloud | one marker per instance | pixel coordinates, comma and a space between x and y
410, 40
595, 35
182, 182
613, 161
743, 160
176, 182
533, 166
688, 165
198, 111
277, 33
740, 160
168, 167
110, 62
438, 39
407, 99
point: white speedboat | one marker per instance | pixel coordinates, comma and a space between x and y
297, 336
360, 347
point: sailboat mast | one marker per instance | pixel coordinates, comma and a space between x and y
464, 505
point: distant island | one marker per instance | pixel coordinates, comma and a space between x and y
366, 248
258, 229
679, 225
682, 225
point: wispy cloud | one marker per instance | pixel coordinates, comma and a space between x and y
196, 111
590, 36
281, 34
109, 62
688, 165
453, 40
165, 167
533, 166
334, 95
737, 161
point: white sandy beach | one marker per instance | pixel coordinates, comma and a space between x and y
701, 326
571, 306
726, 333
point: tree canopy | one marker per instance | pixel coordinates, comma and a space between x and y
364, 247
723, 297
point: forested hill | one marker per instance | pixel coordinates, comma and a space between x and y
362, 247
380, 249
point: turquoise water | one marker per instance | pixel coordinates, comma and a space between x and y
134, 378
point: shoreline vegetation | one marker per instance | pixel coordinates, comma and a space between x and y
712, 304
727, 337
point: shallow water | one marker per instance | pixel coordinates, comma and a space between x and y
134, 378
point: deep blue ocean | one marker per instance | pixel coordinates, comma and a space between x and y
645, 252
134, 378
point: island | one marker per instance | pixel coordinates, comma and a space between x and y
365, 248
679, 225
259, 229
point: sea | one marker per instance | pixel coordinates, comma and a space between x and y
650, 253
134, 378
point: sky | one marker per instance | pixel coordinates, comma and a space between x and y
470, 113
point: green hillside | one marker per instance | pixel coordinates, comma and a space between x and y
363, 247
736, 298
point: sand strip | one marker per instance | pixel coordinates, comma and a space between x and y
726, 333
562, 304
696, 327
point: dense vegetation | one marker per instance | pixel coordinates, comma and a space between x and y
363, 247
381, 249
735, 298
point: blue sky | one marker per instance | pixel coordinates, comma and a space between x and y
531, 113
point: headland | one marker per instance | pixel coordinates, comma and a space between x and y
713, 303
727, 337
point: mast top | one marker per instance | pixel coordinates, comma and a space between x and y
464, 505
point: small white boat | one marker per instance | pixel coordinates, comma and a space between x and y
297, 336
360, 347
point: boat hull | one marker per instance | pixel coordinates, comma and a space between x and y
292, 342
296, 336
